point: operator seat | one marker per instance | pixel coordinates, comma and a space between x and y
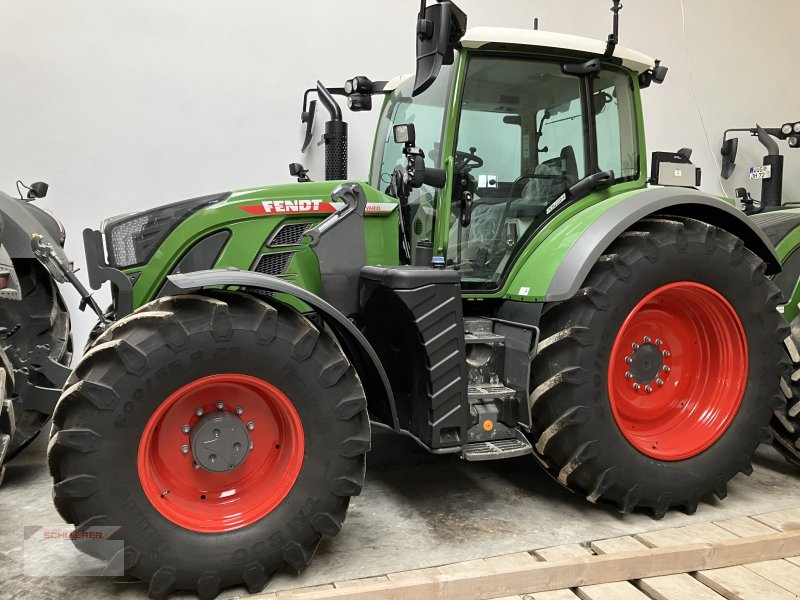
570, 165
551, 178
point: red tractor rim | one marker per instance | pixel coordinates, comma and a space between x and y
678, 371
170, 453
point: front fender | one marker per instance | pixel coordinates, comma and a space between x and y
572, 250
358, 350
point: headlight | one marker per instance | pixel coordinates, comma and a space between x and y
132, 239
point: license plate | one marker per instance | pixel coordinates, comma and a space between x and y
764, 172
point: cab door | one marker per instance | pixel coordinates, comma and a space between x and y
526, 132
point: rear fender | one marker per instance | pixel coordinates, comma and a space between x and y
572, 250
358, 350
20, 220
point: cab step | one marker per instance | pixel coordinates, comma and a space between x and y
497, 449
483, 337
489, 390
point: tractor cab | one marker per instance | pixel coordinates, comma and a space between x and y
526, 132
522, 133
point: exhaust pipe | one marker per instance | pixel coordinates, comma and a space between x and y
772, 188
335, 137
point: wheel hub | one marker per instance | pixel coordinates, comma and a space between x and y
219, 441
646, 363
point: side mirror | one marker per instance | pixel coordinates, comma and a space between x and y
729, 149
38, 190
439, 29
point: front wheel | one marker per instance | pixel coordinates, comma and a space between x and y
225, 435
655, 383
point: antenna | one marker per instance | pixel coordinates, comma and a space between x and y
536, 24
613, 39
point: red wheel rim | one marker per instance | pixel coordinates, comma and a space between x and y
206, 501
678, 371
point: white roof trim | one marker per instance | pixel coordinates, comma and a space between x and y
480, 36
396, 82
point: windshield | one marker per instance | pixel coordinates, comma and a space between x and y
426, 112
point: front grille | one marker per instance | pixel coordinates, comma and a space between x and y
289, 234
273, 264
122, 249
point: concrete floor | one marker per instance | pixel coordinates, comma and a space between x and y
417, 510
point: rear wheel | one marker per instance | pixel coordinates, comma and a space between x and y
224, 434
6, 409
785, 426
650, 382
40, 318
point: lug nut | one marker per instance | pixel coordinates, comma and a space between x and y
239, 410
185, 449
186, 428
635, 346
198, 411
251, 445
195, 465
628, 375
648, 389
658, 342
646, 339
636, 386
666, 368
251, 425
665, 353
628, 359
220, 406
659, 382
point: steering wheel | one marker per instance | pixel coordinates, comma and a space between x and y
466, 161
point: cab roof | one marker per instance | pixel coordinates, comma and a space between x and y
478, 37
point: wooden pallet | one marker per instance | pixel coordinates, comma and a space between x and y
747, 558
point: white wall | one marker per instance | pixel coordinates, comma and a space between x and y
126, 104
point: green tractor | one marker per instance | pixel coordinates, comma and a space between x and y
507, 283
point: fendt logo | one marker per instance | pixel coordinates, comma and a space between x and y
269, 207
284, 206
272, 207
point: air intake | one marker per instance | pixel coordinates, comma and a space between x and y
273, 264
289, 234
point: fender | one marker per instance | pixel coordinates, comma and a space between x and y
20, 220
579, 242
361, 354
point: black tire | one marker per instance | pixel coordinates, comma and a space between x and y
99, 421
785, 425
6, 409
41, 318
576, 434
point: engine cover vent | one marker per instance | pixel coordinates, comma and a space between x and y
289, 234
273, 264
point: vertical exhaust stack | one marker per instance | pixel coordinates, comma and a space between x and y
772, 187
335, 137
